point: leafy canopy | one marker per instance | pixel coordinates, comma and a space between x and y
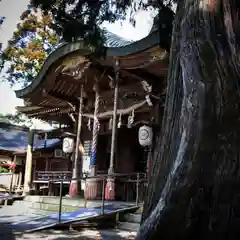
16, 119
81, 19
40, 32
29, 47
1, 22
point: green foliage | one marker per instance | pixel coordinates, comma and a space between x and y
82, 19
4, 169
1, 22
41, 31
29, 47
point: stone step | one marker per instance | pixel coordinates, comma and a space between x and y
132, 217
128, 226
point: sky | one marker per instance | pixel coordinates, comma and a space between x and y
12, 9
12, 12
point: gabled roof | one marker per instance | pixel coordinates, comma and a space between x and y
113, 40
15, 139
115, 47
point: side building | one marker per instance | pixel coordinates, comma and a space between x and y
46, 159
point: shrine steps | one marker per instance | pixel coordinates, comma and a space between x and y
130, 221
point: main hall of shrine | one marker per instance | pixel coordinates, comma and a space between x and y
111, 106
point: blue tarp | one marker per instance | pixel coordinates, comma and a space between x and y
16, 140
5, 196
67, 217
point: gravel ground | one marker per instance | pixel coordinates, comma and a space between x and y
74, 235
18, 213
6, 233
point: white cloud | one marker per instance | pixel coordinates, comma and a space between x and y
38, 124
8, 100
12, 10
144, 21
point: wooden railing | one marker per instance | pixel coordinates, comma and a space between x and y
53, 175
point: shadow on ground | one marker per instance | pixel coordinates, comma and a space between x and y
6, 232
75, 235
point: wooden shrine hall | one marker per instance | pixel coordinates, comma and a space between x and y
105, 101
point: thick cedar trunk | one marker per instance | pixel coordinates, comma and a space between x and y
195, 186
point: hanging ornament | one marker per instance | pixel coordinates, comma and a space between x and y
149, 101
129, 125
120, 120
110, 123
132, 116
89, 124
131, 119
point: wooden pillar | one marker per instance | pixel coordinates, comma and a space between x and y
46, 164
110, 186
20, 179
34, 164
75, 183
12, 182
149, 162
28, 164
92, 184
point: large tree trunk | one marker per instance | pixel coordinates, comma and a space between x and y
195, 187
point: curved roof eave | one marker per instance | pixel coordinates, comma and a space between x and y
64, 49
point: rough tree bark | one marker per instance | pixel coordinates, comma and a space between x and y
195, 187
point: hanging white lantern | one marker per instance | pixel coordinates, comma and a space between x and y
145, 135
68, 145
